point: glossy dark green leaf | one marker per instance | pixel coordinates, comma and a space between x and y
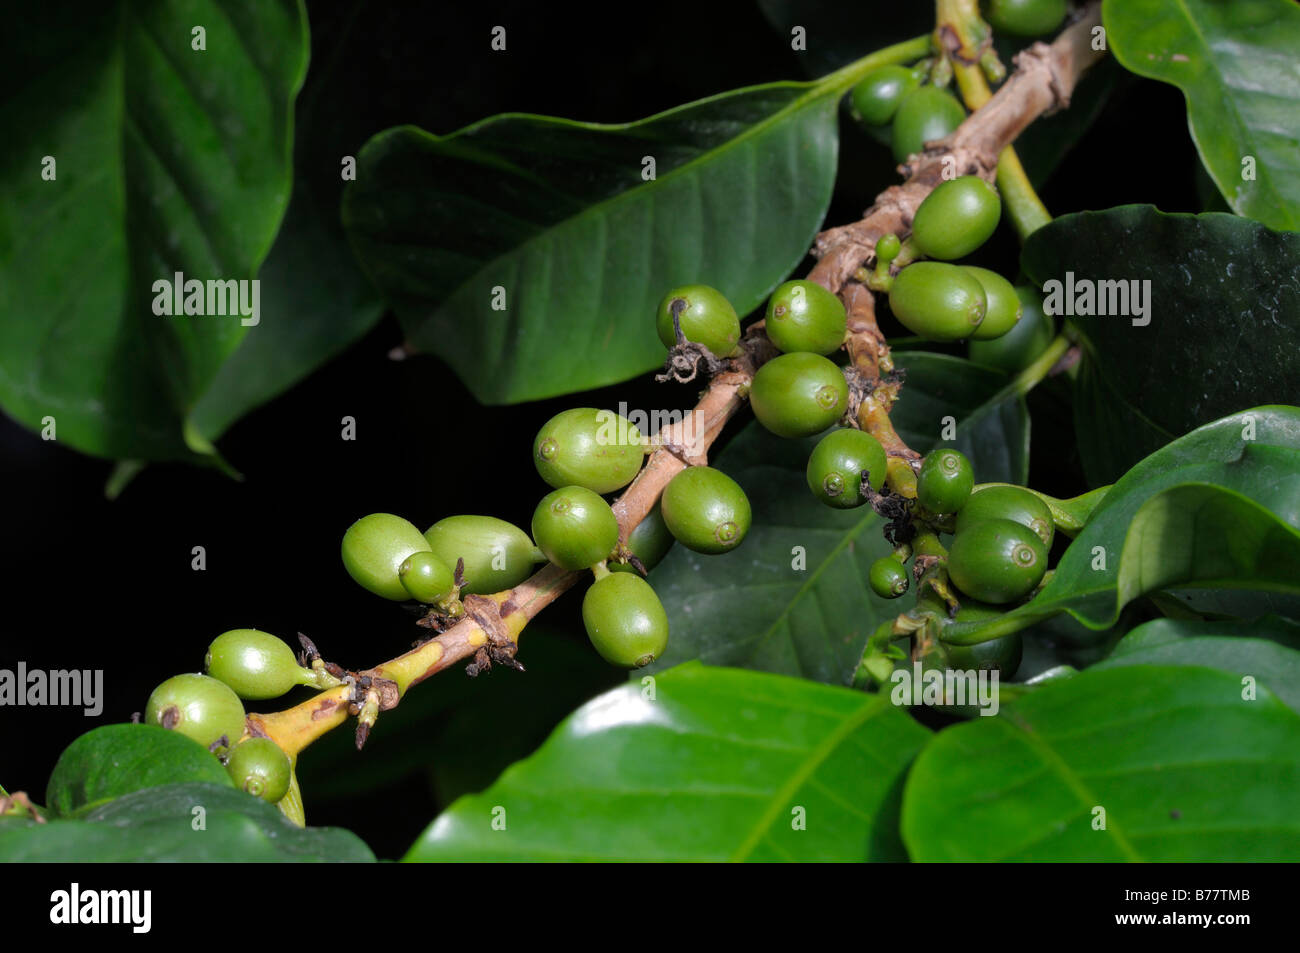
992, 427
530, 252
793, 597
1234, 603
185, 823
1184, 768
315, 299
315, 302
1224, 313
169, 159
113, 760
1205, 534
700, 764
1235, 63
1267, 649
1218, 507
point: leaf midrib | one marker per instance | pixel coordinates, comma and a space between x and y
850, 536
815, 758
1060, 767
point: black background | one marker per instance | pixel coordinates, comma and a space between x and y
1079, 899
1082, 900
93, 584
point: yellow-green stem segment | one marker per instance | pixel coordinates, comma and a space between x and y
1019, 200
1033, 375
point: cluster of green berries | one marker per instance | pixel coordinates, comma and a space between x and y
894, 106
390, 557
942, 301
208, 709
799, 393
939, 299
1002, 536
935, 299
584, 454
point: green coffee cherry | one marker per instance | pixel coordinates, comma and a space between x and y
876, 98
1002, 654
836, 464
1008, 503
1024, 17
497, 555
259, 767
924, 114
1022, 345
625, 620
1002, 309
426, 578
938, 301
199, 707
956, 218
888, 577
575, 528
374, 548
972, 610
255, 664
706, 510
997, 561
804, 316
945, 481
888, 247
706, 317
798, 395
598, 449
649, 542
